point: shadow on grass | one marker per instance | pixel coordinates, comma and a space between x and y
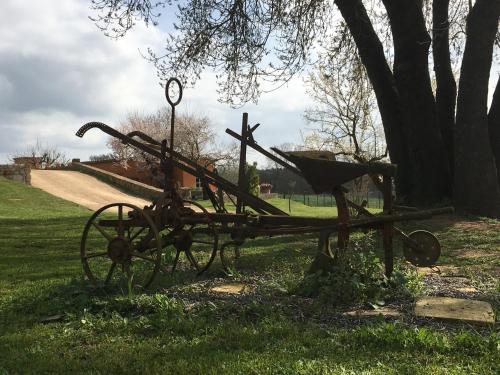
160, 335
42, 262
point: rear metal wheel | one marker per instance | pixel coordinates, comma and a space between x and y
119, 250
198, 242
421, 248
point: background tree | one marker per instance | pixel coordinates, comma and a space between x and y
102, 157
41, 156
344, 116
279, 177
475, 161
248, 43
195, 138
494, 126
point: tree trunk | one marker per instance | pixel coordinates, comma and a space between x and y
446, 90
494, 127
476, 182
411, 72
372, 55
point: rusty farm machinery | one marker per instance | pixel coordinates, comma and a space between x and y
124, 242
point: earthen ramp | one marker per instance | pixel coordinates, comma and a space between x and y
81, 188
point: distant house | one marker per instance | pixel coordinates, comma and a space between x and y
265, 188
150, 174
46, 161
34, 162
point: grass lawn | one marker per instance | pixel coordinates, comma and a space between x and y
182, 327
325, 200
293, 208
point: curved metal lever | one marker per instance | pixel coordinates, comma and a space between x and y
144, 137
99, 125
115, 133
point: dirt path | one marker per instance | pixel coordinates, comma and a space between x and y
82, 189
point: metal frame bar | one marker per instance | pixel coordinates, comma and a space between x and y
188, 166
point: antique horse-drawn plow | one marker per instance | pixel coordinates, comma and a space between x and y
122, 241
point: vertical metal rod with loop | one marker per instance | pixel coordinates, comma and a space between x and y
172, 122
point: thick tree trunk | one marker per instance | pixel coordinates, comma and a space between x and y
411, 71
446, 87
372, 55
476, 183
494, 127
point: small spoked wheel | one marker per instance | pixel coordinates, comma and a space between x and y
230, 256
198, 241
421, 248
121, 246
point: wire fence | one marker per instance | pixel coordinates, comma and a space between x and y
328, 200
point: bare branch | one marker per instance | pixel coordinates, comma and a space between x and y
345, 115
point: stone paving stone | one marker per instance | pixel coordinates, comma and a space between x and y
455, 309
384, 311
450, 271
426, 270
232, 288
440, 270
467, 289
457, 279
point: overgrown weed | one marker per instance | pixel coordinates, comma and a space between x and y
358, 276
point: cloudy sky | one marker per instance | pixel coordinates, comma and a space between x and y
58, 71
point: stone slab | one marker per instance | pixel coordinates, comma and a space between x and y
52, 318
443, 270
230, 288
467, 289
383, 311
451, 271
427, 270
456, 280
455, 309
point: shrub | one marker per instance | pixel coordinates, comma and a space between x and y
358, 276
252, 179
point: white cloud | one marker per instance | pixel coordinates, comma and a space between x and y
5, 86
59, 71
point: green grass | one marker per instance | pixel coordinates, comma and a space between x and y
293, 207
180, 328
326, 200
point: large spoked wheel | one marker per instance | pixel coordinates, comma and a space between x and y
121, 246
421, 248
199, 242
